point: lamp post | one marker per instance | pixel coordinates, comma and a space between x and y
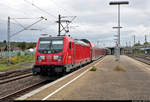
117, 50
118, 3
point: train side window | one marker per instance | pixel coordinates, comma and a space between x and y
70, 45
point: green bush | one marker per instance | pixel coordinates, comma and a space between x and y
31, 58
93, 68
19, 54
26, 54
14, 60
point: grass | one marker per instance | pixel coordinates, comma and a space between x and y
93, 68
15, 62
3, 67
117, 68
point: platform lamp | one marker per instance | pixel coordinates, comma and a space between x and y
118, 3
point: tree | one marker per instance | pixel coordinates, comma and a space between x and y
6, 48
137, 44
22, 45
145, 43
5, 45
30, 45
4, 41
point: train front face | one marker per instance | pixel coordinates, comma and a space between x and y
49, 56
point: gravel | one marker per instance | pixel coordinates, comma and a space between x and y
13, 86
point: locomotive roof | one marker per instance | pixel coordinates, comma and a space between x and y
85, 40
81, 42
52, 38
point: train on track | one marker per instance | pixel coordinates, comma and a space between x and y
62, 54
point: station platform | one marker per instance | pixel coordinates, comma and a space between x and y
103, 84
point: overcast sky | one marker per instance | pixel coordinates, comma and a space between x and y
94, 21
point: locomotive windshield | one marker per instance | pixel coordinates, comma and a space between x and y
50, 46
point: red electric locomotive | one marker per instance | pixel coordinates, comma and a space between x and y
62, 54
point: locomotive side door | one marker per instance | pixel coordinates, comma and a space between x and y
71, 50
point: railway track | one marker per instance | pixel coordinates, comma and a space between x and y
15, 94
15, 78
143, 58
11, 95
146, 57
11, 87
14, 73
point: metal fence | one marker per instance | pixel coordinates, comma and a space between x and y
4, 54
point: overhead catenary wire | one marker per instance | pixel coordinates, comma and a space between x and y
44, 28
61, 7
26, 18
83, 30
16, 10
14, 19
73, 17
40, 9
18, 23
27, 27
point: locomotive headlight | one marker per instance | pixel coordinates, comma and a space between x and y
55, 57
59, 58
39, 58
42, 57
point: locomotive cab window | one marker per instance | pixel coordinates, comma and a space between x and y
70, 45
50, 46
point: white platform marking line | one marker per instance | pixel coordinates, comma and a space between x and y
64, 85
69, 82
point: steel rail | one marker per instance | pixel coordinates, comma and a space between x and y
15, 78
7, 97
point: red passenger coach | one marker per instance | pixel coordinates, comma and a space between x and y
62, 54
96, 51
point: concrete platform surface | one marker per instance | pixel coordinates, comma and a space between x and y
108, 84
